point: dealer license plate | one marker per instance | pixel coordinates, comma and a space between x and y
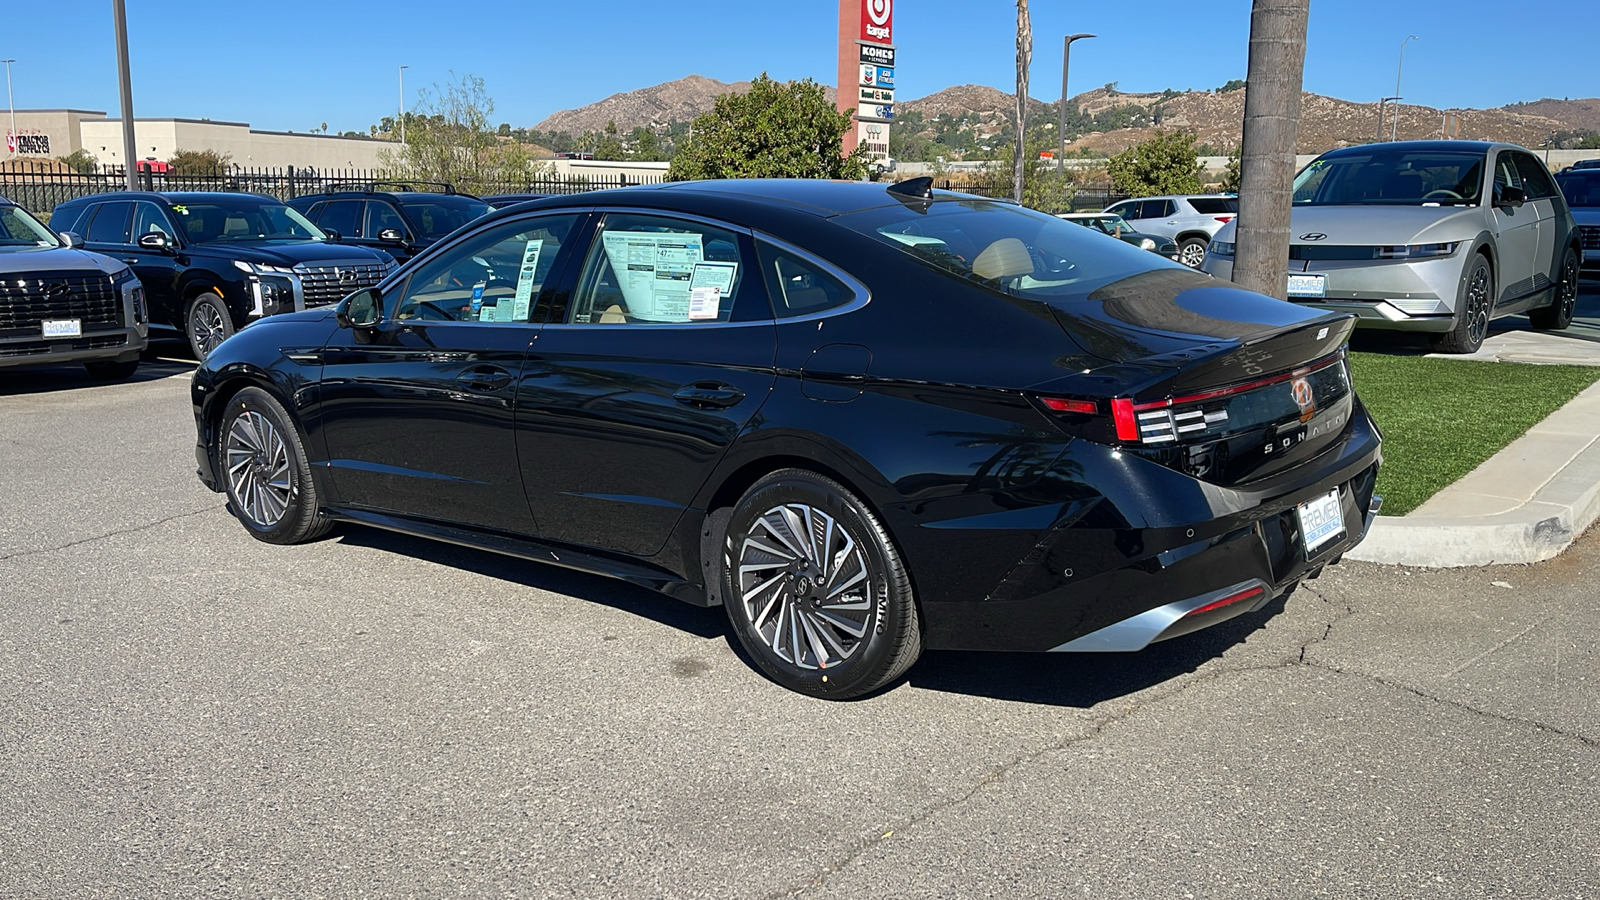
1321, 520
57, 328
1308, 285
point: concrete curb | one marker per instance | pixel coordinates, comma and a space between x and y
1525, 504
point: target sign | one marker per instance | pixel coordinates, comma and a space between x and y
877, 21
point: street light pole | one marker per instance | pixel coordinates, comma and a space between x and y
402, 121
1061, 114
130, 151
1381, 102
1394, 121
11, 104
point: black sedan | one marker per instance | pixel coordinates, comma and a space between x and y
863, 420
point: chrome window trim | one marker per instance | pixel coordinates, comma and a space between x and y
862, 292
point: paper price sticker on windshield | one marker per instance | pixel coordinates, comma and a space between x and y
705, 303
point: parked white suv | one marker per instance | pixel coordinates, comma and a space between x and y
1189, 220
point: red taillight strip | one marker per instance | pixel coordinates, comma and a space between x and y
1243, 388
1062, 404
1122, 416
1246, 594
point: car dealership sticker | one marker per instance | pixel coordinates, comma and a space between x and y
525, 278
654, 271
705, 302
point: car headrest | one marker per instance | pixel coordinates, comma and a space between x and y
1005, 258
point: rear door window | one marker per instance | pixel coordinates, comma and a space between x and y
110, 223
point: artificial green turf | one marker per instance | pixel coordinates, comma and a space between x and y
1441, 418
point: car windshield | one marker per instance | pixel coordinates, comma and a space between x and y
1112, 225
1582, 187
1392, 177
19, 229
1005, 248
243, 219
438, 216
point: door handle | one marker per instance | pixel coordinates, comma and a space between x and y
484, 378
708, 393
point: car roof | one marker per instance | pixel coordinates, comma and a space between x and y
401, 196
169, 197
724, 197
1474, 146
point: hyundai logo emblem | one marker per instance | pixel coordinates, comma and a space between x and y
1313, 236
1300, 389
346, 276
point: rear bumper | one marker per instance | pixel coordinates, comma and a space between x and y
1116, 579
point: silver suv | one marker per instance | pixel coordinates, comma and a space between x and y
1189, 220
1431, 236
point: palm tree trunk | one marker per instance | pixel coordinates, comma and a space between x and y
1271, 127
1024, 60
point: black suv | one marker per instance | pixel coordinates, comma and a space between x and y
60, 304
213, 262
403, 223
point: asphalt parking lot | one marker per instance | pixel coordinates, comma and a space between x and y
187, 712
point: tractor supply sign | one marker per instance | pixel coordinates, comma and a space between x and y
28, 144
877, 21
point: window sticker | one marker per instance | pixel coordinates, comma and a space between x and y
705, 303
719, 275
525, 279
654, 271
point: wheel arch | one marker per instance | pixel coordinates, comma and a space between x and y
1196, 234
225, 387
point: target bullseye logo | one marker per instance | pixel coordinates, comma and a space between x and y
876, 24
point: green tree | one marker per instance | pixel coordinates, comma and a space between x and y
773, 130
1230, 174
607, 145
80, 161
450, 139
1236, 84
1165, 164
504, 130
1043, 188
199, 162
646, 146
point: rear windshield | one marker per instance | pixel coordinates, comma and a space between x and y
1005, 248
1582, 188
1214, 206
438, 216
1392, 178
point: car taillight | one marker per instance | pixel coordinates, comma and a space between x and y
1246, 594
1224, 219
1062, 404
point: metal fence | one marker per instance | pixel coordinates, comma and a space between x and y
1084, 199
40, 192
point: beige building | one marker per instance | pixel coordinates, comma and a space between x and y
59, 132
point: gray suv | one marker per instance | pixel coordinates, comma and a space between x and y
60, 304
1189, 220
1431, 236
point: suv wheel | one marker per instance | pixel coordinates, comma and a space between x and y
815, 590
208, 324
1192, 251
1558, 314
1474, 299
263, 465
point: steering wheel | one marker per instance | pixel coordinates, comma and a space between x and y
1442, 192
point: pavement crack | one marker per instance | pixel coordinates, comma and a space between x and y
111, 534
1581, 738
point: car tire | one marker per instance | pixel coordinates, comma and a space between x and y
1192, 251
815, 590
110, 369
1474, 302
207, 323
262, 463
1558, 314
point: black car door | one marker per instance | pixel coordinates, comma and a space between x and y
642, 380
417, 413
158, 269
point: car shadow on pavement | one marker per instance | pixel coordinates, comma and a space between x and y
619, 595
72, 376
1078, 680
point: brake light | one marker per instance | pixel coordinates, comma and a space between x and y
1224, 219
1122, 416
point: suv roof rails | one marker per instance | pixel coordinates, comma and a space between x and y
371, 185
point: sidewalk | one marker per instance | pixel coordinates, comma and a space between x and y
1529, 501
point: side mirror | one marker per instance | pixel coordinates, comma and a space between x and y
1512, 197
391, 236
360, 310
154, 241
334, 237
73, 239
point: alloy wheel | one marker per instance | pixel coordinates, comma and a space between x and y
206, 327
1192, 254
1477, 311
806, 586
258, 467
1567, 291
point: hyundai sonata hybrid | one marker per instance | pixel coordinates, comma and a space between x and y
864, 420
1432, 236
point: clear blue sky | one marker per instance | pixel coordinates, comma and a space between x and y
292, 64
